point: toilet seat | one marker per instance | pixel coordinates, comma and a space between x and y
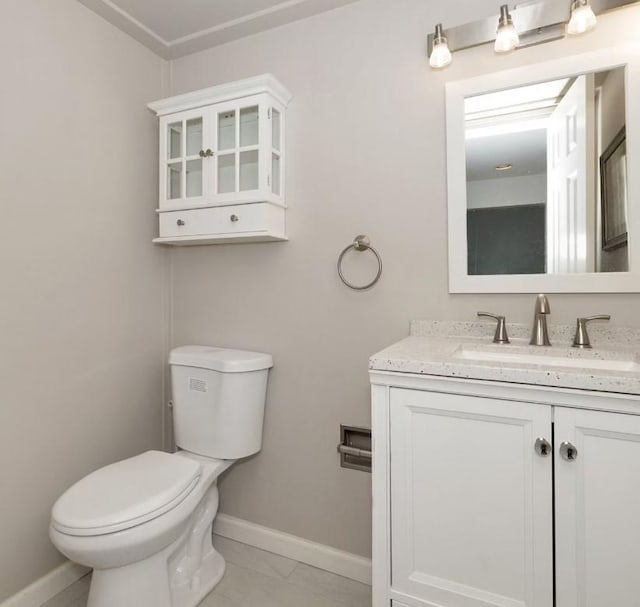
125, 494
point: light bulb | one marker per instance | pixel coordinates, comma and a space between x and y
582, 19
440, 53
507, 38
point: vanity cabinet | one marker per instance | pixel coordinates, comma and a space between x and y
223, 147
488, 494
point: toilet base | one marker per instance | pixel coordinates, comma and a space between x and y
181, 575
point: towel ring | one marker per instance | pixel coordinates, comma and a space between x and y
360, 243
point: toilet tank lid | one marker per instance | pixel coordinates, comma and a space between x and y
220, 359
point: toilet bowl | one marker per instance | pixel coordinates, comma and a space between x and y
144, 524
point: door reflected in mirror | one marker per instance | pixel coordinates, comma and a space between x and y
546, 177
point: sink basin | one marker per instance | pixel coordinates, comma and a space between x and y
546, 357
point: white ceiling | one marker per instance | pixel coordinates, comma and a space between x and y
174, 28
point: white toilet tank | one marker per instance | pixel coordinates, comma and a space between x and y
218, 400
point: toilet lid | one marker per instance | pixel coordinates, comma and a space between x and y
125, 494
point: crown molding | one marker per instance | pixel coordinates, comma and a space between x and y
280, 14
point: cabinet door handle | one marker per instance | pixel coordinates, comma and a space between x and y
180, 222
543, 447
209, 153
568, 452
234, 218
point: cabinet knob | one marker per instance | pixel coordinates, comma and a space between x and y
208, 153
543, 447
180, 222
234, 218
202, 153
568, 452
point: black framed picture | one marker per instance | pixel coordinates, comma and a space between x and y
613, 184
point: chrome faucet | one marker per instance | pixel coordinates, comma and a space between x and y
539, 333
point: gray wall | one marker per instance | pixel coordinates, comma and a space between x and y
507, 191
366, 141
81, 312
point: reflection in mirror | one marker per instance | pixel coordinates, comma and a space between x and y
546, 177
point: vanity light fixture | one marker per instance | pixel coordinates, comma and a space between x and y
583, 19
507, 38
440, 55
538, 21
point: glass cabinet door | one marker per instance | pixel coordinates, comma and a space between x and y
237, 150
184, 158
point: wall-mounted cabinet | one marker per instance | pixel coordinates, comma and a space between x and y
222, 163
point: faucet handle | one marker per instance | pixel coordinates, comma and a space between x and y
581, 339
500, 336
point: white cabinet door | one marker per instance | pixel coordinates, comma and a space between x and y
471, 503
242, 135
185, 163
597, 509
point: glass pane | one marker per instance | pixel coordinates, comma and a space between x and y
194, 178
174, 140
249, 170
275, 129
249, 126
174, 180
275, 174
194, 136
226, 173
226, 131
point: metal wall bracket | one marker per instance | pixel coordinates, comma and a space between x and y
355, 448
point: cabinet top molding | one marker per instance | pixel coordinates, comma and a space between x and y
265, 83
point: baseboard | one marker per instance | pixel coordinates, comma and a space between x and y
304, 551
290, 546
47, 586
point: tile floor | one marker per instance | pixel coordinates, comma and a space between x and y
255, 578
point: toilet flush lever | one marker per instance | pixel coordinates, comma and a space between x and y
500, 336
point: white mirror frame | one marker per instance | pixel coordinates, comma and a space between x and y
596, 282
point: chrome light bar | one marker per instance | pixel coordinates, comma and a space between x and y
536, 22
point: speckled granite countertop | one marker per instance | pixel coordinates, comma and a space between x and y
465, 350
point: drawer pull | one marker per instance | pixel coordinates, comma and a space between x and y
180, 222
234, 218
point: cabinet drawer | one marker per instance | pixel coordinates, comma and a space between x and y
235, 219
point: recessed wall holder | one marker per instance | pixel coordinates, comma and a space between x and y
355, 448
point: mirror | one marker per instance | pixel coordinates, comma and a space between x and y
539, 190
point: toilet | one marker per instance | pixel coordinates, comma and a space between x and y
144, 524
